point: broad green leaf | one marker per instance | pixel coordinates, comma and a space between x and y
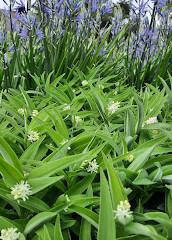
38, 220
57, 229
143, 157
9, 155
27, 99
116, 187
89, 215
129, 124
51, 168
7, 223
11, 175
81, 186
41, 183
161, 218
31, 151
85, 229
106, 229
46, 233
146, 230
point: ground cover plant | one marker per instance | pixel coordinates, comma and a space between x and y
86, 123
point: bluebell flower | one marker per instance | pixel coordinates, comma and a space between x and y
39, 34
24, 33
19, 4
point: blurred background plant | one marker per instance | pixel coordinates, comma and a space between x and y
126, 38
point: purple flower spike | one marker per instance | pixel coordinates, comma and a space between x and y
94, 5
24, 33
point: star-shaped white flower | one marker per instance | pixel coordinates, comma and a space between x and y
150, 121
33, 136
34, 113
123, 213
9, 234
21, 191
113, 107
92, 166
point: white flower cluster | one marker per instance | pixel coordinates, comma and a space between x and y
21, 190
33, 136
34, 113
92, 166
123, 213
78, 119
67, 107
9, 234
150, 121
84, 83
21, 111
113, 107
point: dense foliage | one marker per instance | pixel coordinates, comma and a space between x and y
86, 123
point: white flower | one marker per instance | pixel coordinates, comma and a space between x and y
21, 190
34, 113
67, 107
93, 166
64, 141
33, 136
73, 90
150, 121
123, 213
9, 234
68, 148
21, 111
84, 83
78, 119
115, 93
113, 107
129, 158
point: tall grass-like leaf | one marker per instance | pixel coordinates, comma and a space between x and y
27, 99
168, 90
99, 48
85, 229
116, 187
57, 229
106, 229
129, 124
46, 233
